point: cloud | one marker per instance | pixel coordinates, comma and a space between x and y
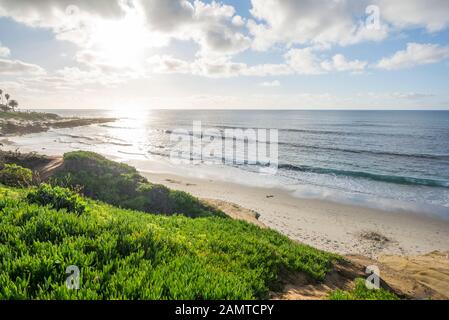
430, 14
96, 61
168, 64
414, 55
214, 26
49, 13
412, 95
168, 16
16, 67
305, 61
212, 67
297, 61
74, 76
310, 22
217, 27
11, 85
114, 36
220, 29
263, 70
274, 83
326, 23
4, 51
71, 20
340, 63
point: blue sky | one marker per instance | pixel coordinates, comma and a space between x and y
232, 54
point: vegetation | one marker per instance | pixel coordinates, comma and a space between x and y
32, 161
13, 104
57, 198
21, 123
9, 105
361, 292
121, 185
15, 176
28, 116
125, 254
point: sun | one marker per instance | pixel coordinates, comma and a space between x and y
122, 42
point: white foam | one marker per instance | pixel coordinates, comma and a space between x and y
362, 192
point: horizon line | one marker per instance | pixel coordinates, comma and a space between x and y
247, 109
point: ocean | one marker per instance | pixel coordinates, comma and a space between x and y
393, 160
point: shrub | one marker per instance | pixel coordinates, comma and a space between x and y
121, 185
16, 176
361, 292
57, 198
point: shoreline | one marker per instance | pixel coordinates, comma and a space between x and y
336, 227
330, 226
22, 123
411, 250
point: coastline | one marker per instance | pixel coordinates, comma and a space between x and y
408, 248
23, 123
331, 226
334, 227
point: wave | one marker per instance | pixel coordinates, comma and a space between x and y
355, 151
315, 132
118, 144
96, 140
73, 136
412, 181
373, 152
114, 127
160, 154
131, 153
319, 132
369, 176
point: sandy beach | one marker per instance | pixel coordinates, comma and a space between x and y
335, 227
331, 226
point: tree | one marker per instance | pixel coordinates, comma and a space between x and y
7, 96
13, 104
3, 107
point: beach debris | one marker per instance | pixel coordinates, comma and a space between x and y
374, 236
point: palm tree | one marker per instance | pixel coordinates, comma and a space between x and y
13, 104
7, 96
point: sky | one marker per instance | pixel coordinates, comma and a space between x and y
230, 54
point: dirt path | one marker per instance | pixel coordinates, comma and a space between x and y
48, 170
